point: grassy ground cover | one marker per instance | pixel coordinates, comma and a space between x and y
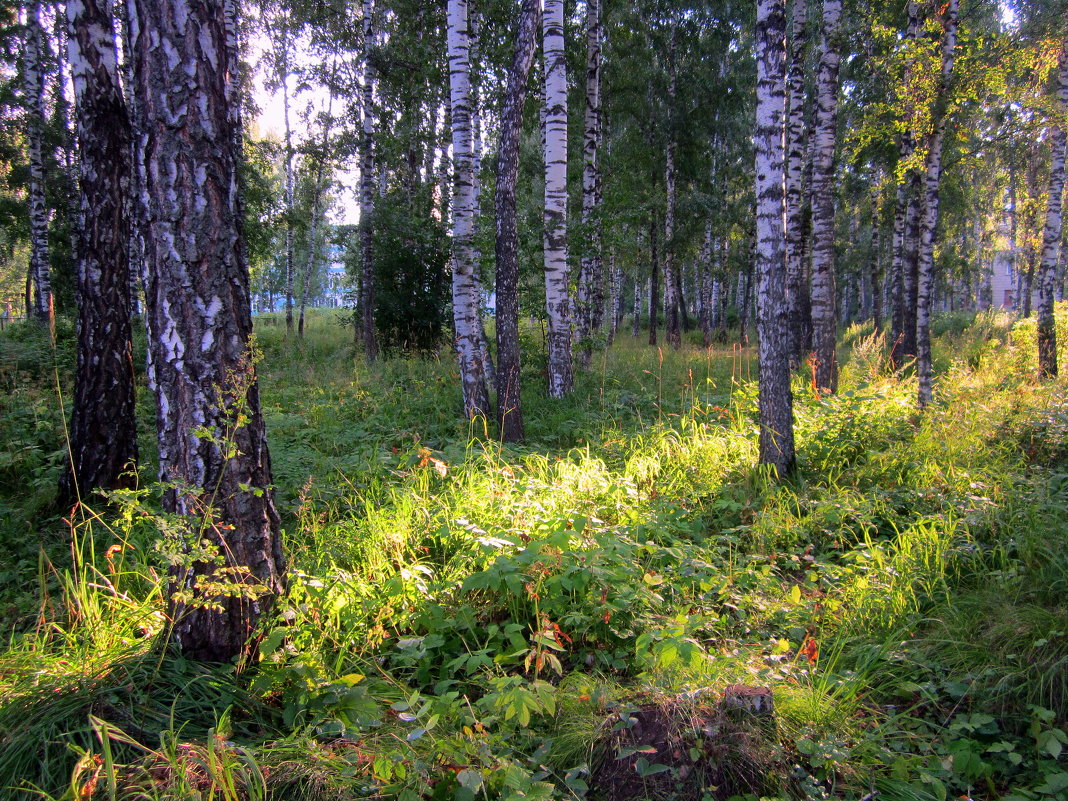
592, 615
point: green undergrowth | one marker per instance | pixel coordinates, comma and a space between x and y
572, 618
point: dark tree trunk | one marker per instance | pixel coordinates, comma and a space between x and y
212, 448
509, 408
103, 432
40, 269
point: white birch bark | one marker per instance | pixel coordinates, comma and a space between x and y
465, 294
557, 298
34, 88
929, 221
671, 279
367, 188
1051, 232
589, 296
776, 400
825, 126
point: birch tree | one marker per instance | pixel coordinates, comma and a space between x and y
1051, 233
509, 406
825, 126
589, 295
776, 400
212, 447
557, 296
929, 221
465, 290
34, 87
796, 146
103, 431
367, 185
672, 297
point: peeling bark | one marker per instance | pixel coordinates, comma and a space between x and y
103, 431
1051, 233
212, 447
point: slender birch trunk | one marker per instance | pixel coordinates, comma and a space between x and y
705, 282
1051, 233
589, 294
825, 125
103, 431
876, 247
797, 144
509, 407
283, 79
367, 186
476, 181
200, 324
636, 317
775, 401
671, 293
654, 279
465, 294
557, 298
925, 260
34, 87
318, 190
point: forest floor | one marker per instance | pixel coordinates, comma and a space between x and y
624, 608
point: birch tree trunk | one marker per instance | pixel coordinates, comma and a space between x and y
636, 317
925, 260
589, 294
318, 190
671, 283
212, 447
367, 186
465, 294
476, 182
825, 126
509, 406
1051, 233
557, 298
776, 400
654, 279
705, 281
135, 249
876, 283
283, 78
796, 147
34, 87
103, 431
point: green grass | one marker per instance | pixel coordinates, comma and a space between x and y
471, 619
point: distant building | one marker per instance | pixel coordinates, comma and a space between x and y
1003, 283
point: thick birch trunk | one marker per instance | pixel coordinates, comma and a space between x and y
796, 147
925, 260
34, 87
776, 400
589, 294
476, 181
509, 408
824, 317
212, 447
1051, 233
135, 248
465, 293
705, 281
367, 188
103, 432
557, 298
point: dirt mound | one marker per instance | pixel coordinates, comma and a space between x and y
690, 747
